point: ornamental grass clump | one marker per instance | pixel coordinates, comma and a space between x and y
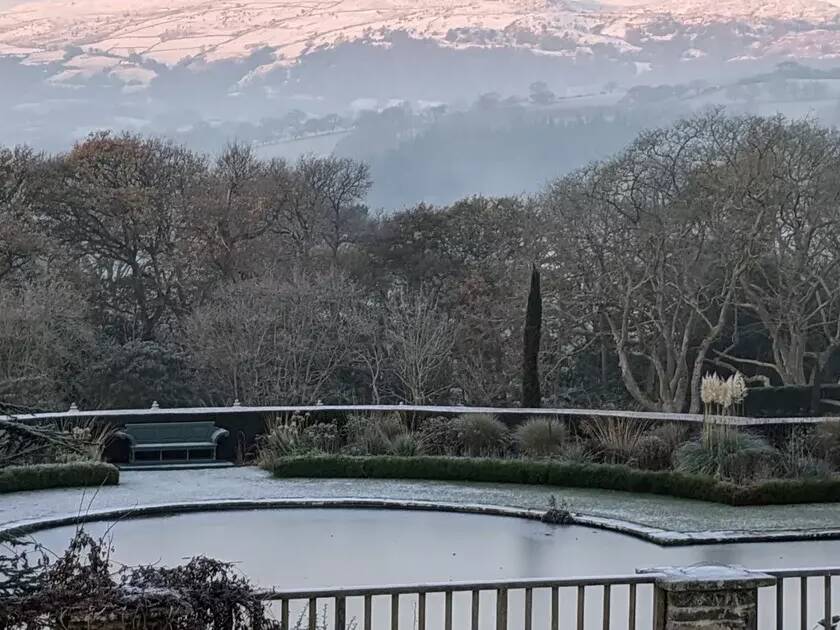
284, 437
614, 440
88, 440
379, 434
406, 445
722, 398
483, 435
732, 455
541, 437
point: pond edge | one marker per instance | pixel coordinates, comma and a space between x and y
661, 537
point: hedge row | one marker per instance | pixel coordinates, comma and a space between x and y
574, 475
44, 476
788, 401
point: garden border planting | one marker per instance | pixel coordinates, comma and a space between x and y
562, 474
45, 476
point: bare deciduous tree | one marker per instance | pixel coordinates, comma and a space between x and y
275, 341
119, 204
793, 285
234, 211
657, 241
419, 340
19, 240
320, 202
338, 186
44, 339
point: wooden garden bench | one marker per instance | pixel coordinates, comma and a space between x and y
173, 441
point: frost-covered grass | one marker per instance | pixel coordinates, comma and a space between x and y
184, 486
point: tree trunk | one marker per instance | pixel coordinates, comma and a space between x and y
531, 395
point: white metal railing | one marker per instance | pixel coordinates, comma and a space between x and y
802, 599
604, 603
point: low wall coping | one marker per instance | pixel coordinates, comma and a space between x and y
709, 578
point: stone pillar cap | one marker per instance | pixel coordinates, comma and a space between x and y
710, 578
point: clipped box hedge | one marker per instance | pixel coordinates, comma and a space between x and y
563, 474
44, 476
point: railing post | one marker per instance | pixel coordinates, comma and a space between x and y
707, 598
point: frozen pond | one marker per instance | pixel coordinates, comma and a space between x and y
333, 547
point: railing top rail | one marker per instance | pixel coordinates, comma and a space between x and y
607, 413
456, 587
809, 572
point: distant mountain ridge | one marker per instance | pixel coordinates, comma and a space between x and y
125, 40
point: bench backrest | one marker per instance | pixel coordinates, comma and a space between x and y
171, 432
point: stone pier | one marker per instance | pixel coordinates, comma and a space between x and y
708, 598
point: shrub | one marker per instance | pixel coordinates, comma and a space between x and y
824, 442
653, 453
728, 454
483, 435
674, 434
440, 436
614, 440
541, 437
807, 468
797, 459
81, 588
749, 465
45, 476
322, 437
558, 513
655, 449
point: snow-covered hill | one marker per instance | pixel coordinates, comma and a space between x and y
125, 38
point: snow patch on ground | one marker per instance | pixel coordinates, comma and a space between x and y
170, 31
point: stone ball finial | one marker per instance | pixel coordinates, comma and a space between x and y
155, 405
74, 408
236, 403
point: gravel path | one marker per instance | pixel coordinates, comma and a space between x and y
175, 486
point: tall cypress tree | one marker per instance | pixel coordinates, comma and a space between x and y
531, 396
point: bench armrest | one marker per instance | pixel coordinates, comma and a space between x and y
218, 434
125, 436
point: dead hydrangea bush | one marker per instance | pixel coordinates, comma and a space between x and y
80, 589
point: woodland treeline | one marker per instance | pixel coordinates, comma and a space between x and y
133, 270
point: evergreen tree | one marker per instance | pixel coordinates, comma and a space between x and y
531, 396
